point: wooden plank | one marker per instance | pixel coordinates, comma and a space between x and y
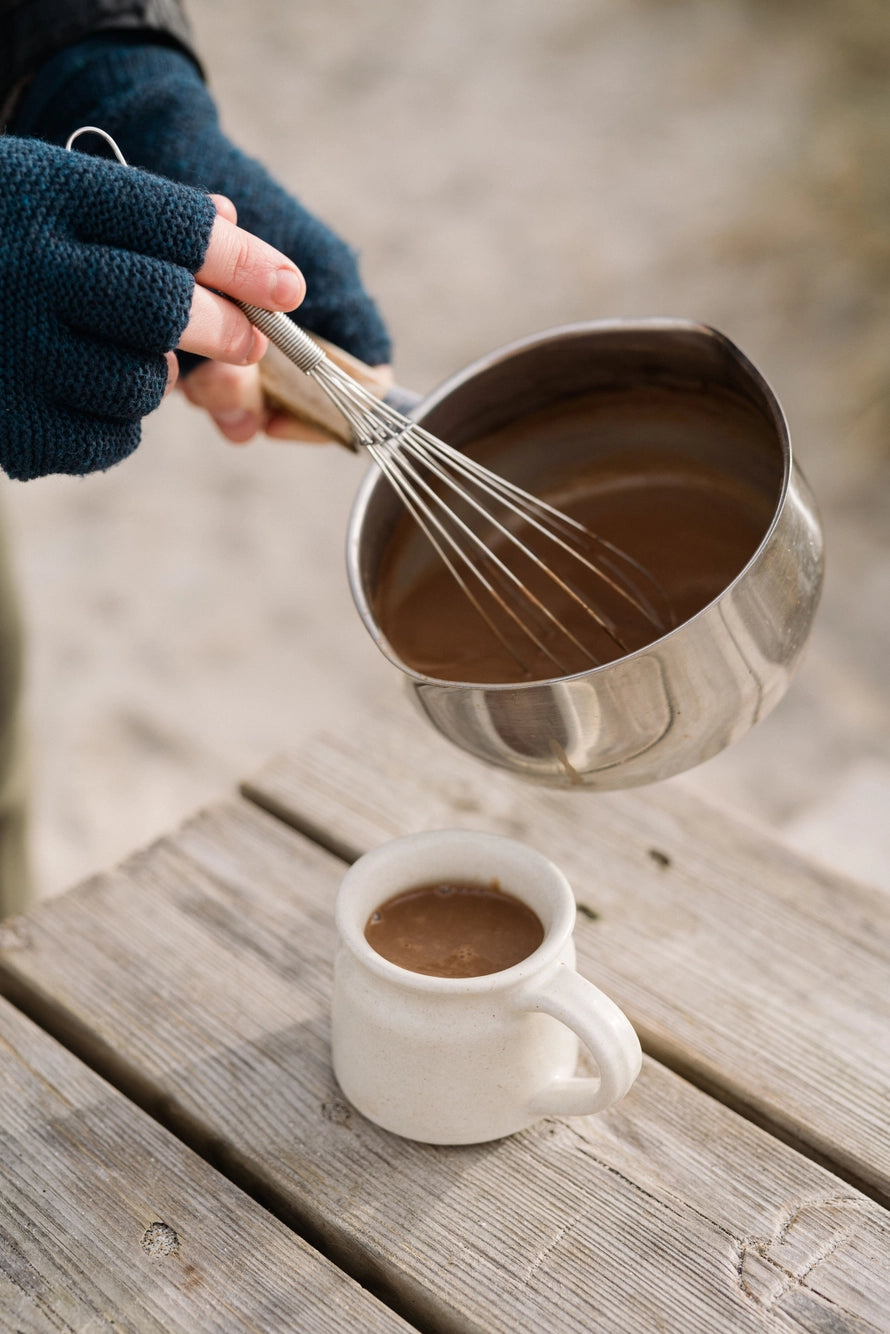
198, 977
760, 976
108, 1222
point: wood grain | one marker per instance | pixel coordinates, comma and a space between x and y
108, 1222
288, 388
757, 974
198, 977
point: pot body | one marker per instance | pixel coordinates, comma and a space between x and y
689, 694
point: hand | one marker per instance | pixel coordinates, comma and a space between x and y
62, 417
104, 269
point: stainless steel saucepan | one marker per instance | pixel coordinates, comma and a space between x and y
675, 390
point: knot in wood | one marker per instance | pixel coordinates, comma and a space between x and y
660, 858
160, 1239
337, 1111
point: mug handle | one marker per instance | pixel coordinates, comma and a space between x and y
604, 1029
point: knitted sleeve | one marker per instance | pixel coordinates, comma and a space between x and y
97, 267
154, 103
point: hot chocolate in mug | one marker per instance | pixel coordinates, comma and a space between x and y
464, 1059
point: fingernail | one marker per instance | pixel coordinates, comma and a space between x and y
288, 289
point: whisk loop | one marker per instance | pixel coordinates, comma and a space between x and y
470, 515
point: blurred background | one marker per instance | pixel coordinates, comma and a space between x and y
502, 168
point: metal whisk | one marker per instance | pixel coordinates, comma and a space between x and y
463, 508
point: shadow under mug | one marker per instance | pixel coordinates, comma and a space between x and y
450, 1060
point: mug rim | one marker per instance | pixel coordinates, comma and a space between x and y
556, 933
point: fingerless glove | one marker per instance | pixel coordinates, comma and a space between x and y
153, 101
97, 267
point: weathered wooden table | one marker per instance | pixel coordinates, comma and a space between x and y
176, 1155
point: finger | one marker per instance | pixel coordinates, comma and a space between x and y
246, 268
232, 396
121, 385
217, 329
225, 208
172, 371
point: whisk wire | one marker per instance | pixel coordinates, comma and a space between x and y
532, 508
419, 450
436, 532
399, 469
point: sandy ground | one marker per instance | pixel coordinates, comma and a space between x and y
503, 168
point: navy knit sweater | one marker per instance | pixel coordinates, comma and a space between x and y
96, 261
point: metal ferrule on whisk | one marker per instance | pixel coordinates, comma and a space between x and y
287, 336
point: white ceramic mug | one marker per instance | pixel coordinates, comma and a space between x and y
451, 1060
